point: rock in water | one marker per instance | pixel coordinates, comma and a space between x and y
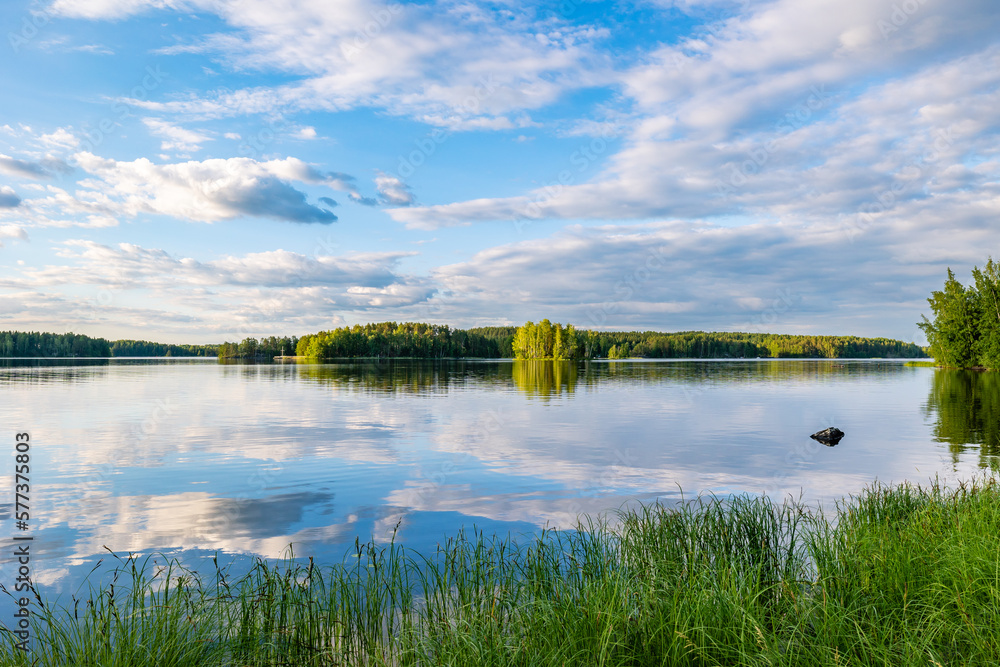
828, 436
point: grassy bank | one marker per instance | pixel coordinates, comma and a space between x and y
897, 576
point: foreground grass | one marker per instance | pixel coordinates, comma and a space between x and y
900, 576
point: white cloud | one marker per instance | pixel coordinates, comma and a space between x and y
98, 49
819, 278
805, 130
44, 168
127, 264
793, 148
251, 293
8, 198
393, 191
176, 138
62, 43
12, 232
205, 191
113, 9
453, 64
60, 139
306, 133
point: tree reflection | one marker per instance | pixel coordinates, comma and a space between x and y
966, 409
545, 378
402, 376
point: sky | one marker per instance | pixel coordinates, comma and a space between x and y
193, 171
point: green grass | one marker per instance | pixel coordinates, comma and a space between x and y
895, 576
922, 364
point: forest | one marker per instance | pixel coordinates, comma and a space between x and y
546, 340
145, 348
263, 349
731, 345
965, 331
407, 339
551, 341
37, 344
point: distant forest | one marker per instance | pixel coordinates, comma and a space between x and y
554, 341
144, 348
406, 339
544, 340
254, 349
37, 344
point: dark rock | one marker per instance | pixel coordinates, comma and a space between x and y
828, 436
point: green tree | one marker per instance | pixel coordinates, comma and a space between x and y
953, 333
987, 288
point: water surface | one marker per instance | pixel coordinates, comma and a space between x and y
192, 457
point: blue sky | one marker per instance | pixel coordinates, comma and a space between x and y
206, 170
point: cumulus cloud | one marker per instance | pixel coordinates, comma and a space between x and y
789, 107
206, 191
393, 191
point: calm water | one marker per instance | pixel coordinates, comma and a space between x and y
192, 457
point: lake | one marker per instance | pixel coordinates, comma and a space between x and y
190, 457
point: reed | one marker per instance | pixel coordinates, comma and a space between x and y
902, 575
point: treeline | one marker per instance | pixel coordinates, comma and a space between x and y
265, 348
551, 341
502, 337
386, 340
734, 345
545, 340
965, 332
145, 348
38, 344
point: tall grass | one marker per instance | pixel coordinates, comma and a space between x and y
897, 576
